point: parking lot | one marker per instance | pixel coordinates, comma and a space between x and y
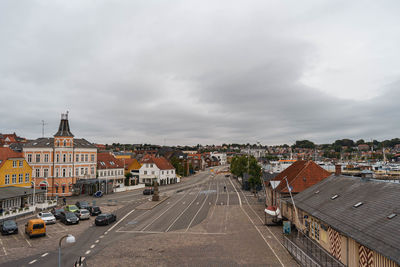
20, 245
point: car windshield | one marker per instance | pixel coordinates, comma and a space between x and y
47, 215
84, 211
59, 210
9, 223
70, 215
101, 216
72, 207
96, 208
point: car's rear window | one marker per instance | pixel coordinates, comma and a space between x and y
84, 211
38, 226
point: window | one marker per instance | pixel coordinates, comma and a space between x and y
37, 172
162, 172
315, 229
167, 172
77, 158
21, 178
82, 171
29, 158
152, 172
37, 157
14, 163
92, 158
58, 157
86, 170
65, 143
14, 178
82, 157
145, 172
63, 188
56, 188
69, 172
70, 158
7, 179
46, 157
45, 173
92, 170
63, 172
57, 172
58, 143
26, 177
64, 157
151, 165
77, 171
86, 157
21, 163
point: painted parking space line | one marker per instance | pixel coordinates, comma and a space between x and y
97, 241
23, 236
4, 249
87, 252
92, 246
45, 254
32, 262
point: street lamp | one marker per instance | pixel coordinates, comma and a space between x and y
69, 239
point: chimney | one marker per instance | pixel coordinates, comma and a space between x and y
338, 170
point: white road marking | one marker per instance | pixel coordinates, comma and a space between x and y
177, 218
106, 233
92, 246
168, 203
32, 261
4, 249
101, 236
183, 202
198, 210
87, 252
45, 254
240, 200
126, 215
97, 241
197, 203
29, 243
164, 212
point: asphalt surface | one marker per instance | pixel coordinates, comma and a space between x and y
203, 221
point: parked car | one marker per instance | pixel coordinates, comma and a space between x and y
98, 194
105, 219
148, 191
9, 227
35, 227
94, 210
82, 204
56, 212
83, 214
69, 218
47, 217
71, 208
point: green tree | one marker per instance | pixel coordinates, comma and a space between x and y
128, 176
304, 144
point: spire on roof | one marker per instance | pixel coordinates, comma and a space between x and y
63, 129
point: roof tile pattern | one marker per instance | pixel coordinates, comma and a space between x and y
108, 161
300, 175
161, 162
7, 153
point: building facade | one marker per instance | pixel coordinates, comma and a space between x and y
110, 172
157, 169
14, 170
59, 162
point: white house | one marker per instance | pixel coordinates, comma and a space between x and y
220, 156
157, 169
110, 172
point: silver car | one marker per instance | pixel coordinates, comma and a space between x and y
83, 214
47, 217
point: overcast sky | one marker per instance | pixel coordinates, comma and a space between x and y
189, 72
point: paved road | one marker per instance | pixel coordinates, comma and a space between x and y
201, 223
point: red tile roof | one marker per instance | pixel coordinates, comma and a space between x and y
108, 161
161, 162
7, 153
301, 175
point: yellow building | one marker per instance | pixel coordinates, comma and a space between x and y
14, 170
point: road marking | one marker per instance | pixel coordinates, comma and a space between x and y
197, 203
168, 203
240, 200
32, 261
25, 239
198, 210
183, 202
45, 254
177, 218
164, 212
106, 233
4, 249
97, 241
126, 215
101, 236
92, 246
87, 252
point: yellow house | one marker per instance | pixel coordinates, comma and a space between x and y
14, 170
131, 166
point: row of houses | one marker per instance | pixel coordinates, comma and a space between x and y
350, 221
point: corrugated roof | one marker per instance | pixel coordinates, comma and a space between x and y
368, 223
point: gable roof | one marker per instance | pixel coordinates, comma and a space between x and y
108, 161
7, 153
368, 224
300, 175
161, 162
132, 164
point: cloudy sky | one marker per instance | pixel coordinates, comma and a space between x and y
189, 72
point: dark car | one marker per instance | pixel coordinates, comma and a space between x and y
9, 227
148, 191
82, 204
68, 218
94, 210
105, 219
56, 212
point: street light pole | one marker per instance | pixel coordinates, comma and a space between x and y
69, 239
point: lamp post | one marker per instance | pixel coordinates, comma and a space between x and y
69, 239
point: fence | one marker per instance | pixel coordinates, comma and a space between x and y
302, 244
298, 254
